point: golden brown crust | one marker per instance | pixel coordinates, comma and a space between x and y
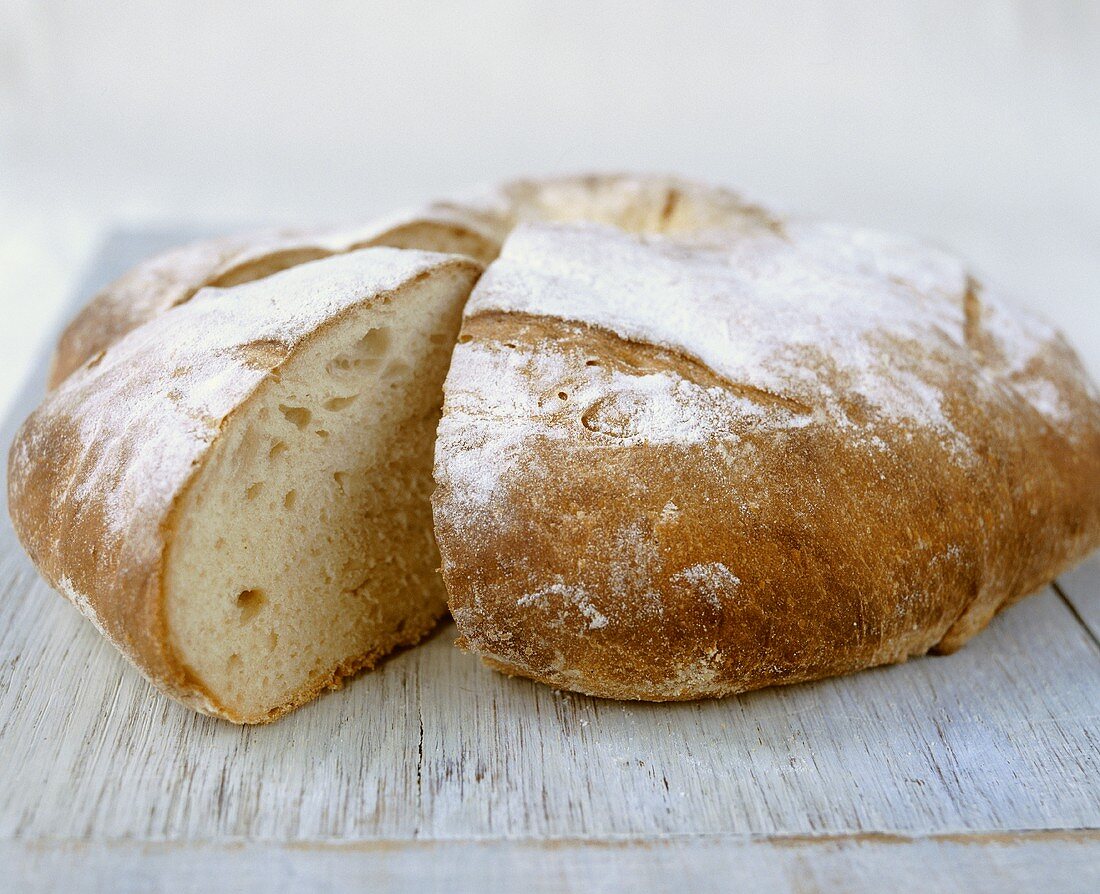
154, 286
97, 471
786, 542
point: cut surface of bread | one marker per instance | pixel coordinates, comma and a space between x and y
304, 548
252, 472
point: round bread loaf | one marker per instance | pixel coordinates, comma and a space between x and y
668, 471
689, 448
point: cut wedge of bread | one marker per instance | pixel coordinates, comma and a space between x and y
689, 448
237, 493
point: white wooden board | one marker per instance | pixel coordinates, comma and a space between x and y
1035, 861
976, 771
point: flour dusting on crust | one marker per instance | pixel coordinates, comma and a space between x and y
494, 410
569, 597
753, 312
767, 312
162, 392
712, 580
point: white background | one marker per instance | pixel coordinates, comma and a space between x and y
976, 124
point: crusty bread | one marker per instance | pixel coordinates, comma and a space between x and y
669, 471
159, 486
689, 448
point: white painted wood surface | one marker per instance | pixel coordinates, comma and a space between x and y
976, 771
1035, 861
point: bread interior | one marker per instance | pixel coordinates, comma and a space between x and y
303, 548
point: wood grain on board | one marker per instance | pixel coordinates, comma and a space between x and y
1046, 861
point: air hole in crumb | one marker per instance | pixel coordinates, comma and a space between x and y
463, 339
341, 479
563, 396
277, 450
395, 369
95, 361
299, 416
219, 543
374, 343
321, 433
510, 344
254, 490
272, 640
233, 663
339, 403
592, 363
365, 354
290, 499
249, 603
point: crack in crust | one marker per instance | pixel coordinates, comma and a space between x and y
627, 354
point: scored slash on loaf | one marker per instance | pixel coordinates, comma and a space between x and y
687, 448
